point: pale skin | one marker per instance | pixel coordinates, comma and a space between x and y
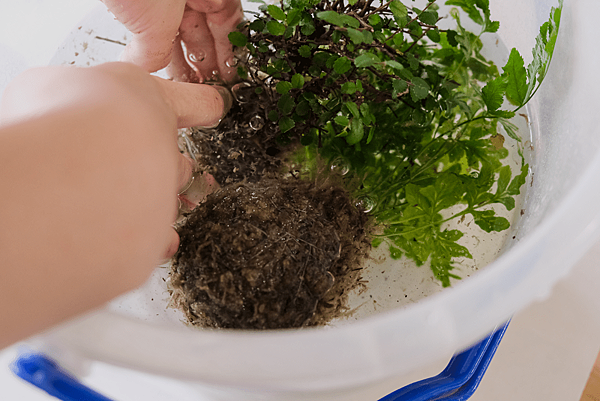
90, 172
164, 28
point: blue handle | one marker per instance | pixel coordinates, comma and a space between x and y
457, 382
44, 373
461, 377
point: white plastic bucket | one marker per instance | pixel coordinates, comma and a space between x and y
561, 219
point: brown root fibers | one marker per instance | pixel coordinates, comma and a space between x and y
277, 253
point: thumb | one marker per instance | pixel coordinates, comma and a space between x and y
196, 104
154, 25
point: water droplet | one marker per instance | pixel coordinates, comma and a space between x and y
365, 203
197, 57
340, 166
241, 92
231, 62
256, 122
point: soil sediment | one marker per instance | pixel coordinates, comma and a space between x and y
246, 145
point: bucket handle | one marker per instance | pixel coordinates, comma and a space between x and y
47, 375
461, 377
457, 382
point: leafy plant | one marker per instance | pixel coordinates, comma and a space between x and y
408, 108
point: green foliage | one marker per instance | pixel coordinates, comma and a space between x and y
238, 39
493, 93
530, 80
276, 12
514, 71
409, 107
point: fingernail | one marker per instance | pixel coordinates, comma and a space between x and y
187, 171
227, 98
187, 185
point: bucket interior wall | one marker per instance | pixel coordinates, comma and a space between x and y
560, 218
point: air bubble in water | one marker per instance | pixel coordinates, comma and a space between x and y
186, 145
197, 57
240, 92
256, 122
365, 203
340, 166
231, 62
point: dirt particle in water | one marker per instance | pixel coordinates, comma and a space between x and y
497, 141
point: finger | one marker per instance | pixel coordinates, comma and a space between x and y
222, 17
154, 26
179, 69
198, 44
186, 171
196, 104
171, 247
202, 185
221, 24
150, 57
209, 6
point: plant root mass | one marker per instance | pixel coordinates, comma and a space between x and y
281, 253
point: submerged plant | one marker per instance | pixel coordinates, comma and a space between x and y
411, 111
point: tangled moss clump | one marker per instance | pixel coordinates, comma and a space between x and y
280, 253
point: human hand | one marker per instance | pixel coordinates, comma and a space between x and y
163, 29
90, 172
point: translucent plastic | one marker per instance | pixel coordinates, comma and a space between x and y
560, 219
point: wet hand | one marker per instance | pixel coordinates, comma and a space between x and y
190, 37
90, 171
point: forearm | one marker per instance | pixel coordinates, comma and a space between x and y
89, 171
77, 197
